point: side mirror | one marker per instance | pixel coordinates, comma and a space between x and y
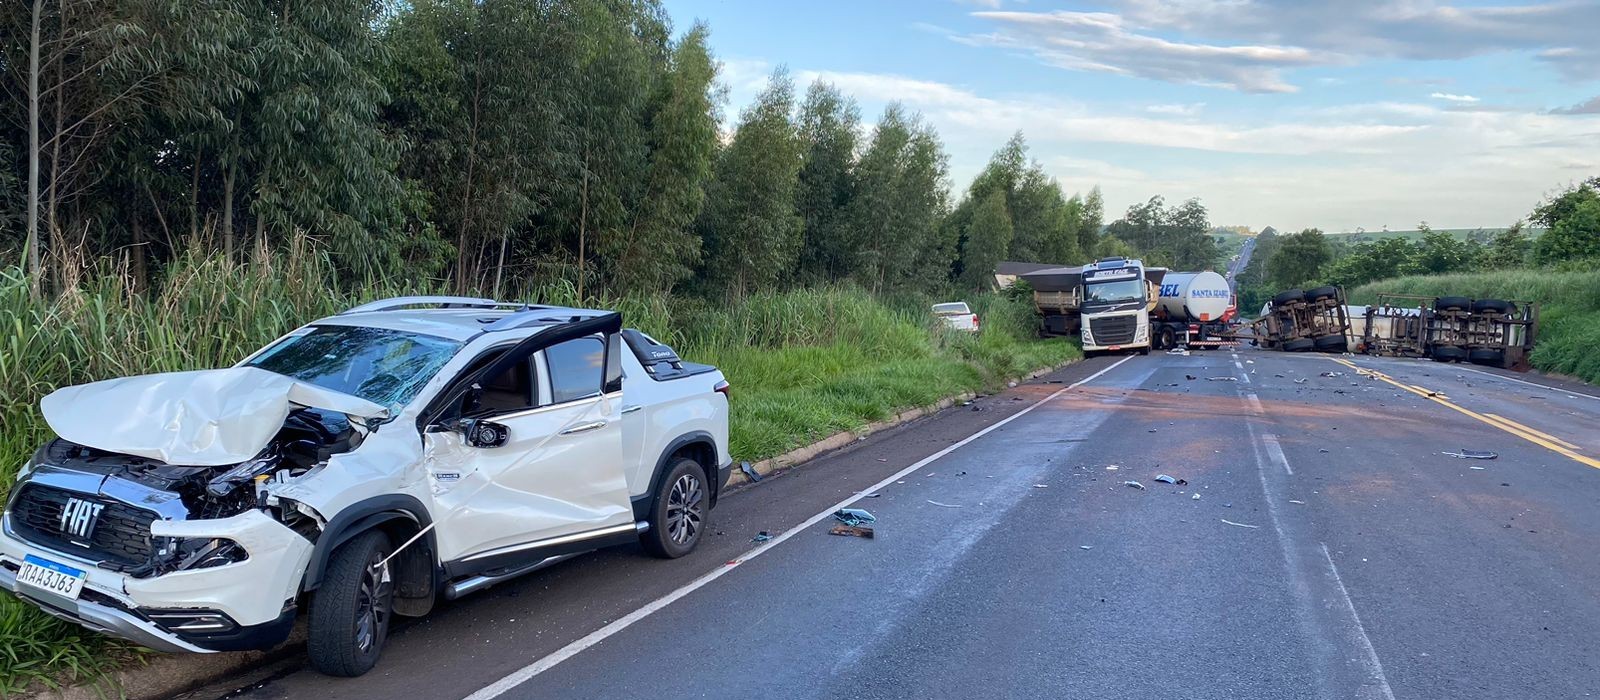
483, 433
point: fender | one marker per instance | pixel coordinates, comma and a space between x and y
643, 504
358, 518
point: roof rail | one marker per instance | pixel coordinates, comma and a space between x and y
540, 316
445, 302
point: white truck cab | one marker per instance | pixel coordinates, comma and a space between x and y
361, 466
1117, 298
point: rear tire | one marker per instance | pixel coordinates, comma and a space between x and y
1299, 345
1331, 343
1287, 296
1490, 306
350, 611
1321, 293
1166, 338
1144, 351
681, 512
1485, 356
1449, 353
1452, 304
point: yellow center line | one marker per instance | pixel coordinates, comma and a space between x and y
1530, 435
1527, 429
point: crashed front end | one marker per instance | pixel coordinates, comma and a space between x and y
182, 553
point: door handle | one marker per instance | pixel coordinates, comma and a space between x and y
631, 409
586, 427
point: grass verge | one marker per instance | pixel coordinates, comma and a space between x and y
1569, 309
803, 365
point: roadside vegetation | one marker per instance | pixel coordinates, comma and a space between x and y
1569, 309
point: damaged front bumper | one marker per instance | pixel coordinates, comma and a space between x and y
243, 605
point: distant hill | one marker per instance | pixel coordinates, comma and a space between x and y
1482, 235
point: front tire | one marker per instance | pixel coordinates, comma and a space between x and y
350, 611
681, 513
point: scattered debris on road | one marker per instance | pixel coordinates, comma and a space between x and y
1230, 522
762, 536
854, 516
750, 472
945, 505
1190, 377
1301, 380
1112, 468
1478, 468
1133, 484
1085, 547
1472, 454
1041, 486
1166, 479
1195, 497
1333, 374
1224, 379
851, 531
1298, 503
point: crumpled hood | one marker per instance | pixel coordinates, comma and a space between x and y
204, 418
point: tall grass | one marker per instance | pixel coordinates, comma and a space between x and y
803, 364
1569, 330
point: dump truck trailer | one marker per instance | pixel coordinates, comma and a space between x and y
1492, 332
1298, 321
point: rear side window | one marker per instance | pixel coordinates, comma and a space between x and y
951, 308
577, 369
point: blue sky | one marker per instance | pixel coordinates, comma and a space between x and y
1360, 113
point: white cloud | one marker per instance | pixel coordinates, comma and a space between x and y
1336, 168
1182, 110
1452, 97
1248, 45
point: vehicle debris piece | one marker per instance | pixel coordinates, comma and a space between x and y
1478, 468
854, 516
1041, 486
1301, 380
851, 531
1112, 468
1085, 547
1178, 351
1133, 484
1190, 377
1230, 522
1224, 379
945, 505
1332, 374
1195, 497
762, 536
1298, 503
750, 472
1472, 454
1167, 479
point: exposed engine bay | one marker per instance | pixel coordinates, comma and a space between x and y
137, 490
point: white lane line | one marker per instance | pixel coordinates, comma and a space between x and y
1372, 665
1275, 451
526, 673
1556, 389
1255, 404
1237, 363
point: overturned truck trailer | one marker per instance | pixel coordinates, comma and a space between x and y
1298, 321
1493, 332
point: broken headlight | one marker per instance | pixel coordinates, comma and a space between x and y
193, 553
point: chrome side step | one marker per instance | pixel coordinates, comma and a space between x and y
472, 584
476, 583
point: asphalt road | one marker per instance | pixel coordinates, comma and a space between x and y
1335, 551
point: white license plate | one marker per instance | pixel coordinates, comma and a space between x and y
46, 575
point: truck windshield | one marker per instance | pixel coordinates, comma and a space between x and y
1114, 292
383, 366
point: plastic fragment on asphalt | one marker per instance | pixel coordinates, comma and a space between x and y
1041, 486
1190, 377
1478, 468
1165, 479
1224, 379
944, 505
1133, 484
1085, 547
1333, 374
1472, 454
1298, 503
762, 536
1112, 468
1195, 497
750, 472
1230, 522
853, 516
851, 531
1301, 380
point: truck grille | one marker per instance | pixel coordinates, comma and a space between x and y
120, 538
1113, 330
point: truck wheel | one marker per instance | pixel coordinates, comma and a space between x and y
1449, 353
1486, 356
1331, 343
1144, 350
680, 514
1288, 296
1299, 345
351, 609
1452, 304
1490, 306
1166, 338
1321, 293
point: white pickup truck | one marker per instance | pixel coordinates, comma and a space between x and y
361, 466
